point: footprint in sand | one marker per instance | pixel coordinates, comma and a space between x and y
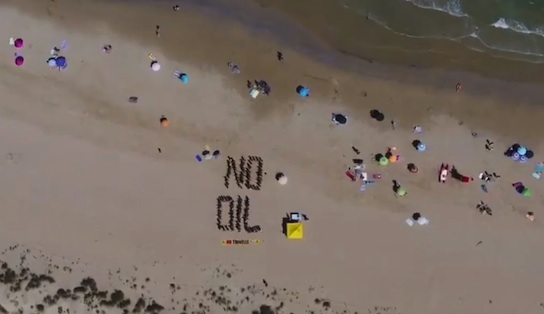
13, 157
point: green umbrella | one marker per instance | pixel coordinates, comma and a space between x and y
401, 191
527, 192
384, 161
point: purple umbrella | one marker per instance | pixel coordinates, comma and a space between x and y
18, 43
19, 61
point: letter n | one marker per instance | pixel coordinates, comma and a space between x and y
238, 172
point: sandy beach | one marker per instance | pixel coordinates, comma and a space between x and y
98, 198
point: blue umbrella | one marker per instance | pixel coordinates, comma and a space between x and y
515, 156
61, 62
522, 150
184, 78
523, 159
421, 147
303, 91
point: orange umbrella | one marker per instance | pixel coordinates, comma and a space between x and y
164, 122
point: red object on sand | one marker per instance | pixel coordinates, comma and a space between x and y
350, 175
376, 176
466, 179
443, 173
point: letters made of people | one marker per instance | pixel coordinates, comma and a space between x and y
233, 211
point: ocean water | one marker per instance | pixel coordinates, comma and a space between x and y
512, 29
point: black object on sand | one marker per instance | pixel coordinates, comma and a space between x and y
416, 216
339, 118
133, 99
377, 115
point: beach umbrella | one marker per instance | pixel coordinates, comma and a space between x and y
401, 191
523, 159
155, 66
303, 91
18, 43
184, 78
19, 61
527, 192
384, 161
61, 62
339, 118
393, 158
281, 178
529, 154
522, 150
52, 63
164, 122
421, 147
207, 155
515, 156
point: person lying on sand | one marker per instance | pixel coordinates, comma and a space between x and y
484, 209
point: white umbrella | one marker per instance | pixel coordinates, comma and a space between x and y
282, 178
155, 66
52, 63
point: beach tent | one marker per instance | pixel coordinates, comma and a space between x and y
295, 231
384, 161
527, 192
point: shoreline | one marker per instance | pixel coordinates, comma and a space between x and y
271, 25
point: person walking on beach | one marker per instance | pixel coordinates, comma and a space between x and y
458, 87
158, 30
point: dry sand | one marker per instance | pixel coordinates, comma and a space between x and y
84, 186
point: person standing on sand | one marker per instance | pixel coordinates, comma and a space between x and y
458, 87
158, 30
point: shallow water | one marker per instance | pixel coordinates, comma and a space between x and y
509, 28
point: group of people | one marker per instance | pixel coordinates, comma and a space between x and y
238, 218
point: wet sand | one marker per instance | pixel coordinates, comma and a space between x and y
85, 185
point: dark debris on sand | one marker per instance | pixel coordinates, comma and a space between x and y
22, 279
258, 298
